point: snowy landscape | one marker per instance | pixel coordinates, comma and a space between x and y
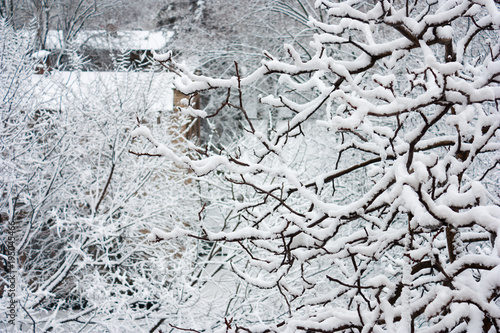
250, 166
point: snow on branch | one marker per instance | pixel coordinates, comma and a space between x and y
366, 189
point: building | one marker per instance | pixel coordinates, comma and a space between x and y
104, 50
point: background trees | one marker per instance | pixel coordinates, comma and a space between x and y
70, 16
373, 206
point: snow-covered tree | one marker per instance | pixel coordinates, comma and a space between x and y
79, 204
375, 205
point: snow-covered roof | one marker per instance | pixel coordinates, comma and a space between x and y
117, 40
133, 91
40, 54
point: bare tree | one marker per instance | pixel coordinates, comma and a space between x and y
375, 206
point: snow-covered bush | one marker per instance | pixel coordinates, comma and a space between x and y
81, 204
375, 207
